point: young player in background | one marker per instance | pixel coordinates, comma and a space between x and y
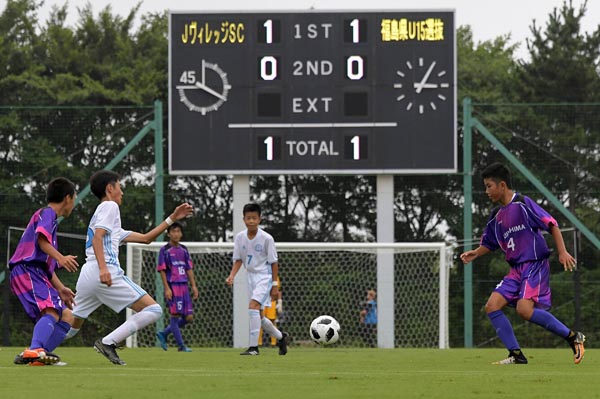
255, 249
368, 319
176, 269
515, 227
101, 280
33, 279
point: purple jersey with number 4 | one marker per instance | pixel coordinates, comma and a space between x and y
175, 262
28, 251
516, 229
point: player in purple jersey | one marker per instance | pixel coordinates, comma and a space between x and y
515, 227
176, 269
46, 300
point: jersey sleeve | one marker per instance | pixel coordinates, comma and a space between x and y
489, 239
538, 217
45, 225
189, 265
237, 255
162, 264
271, 251
106, 215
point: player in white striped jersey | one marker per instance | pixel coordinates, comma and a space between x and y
255, 249
102, 281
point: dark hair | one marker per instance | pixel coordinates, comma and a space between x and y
497, 172
175, 225
59, 188
101, 179
251, 207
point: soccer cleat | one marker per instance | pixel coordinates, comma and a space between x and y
251, 351
109, 351
576, 343
282, 343
39, 356
183, 349
513, 358
162, 339
19, 359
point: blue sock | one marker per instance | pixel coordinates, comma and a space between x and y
42, 331
504, 330
58, 336
176, 331
549, 322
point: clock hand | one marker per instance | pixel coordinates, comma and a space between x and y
419, 86
426, 85
210, 91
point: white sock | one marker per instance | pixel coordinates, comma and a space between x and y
71, 333
268, 326
254, 326
148, 315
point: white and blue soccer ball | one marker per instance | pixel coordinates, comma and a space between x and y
325, 330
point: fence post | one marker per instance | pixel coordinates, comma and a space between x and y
467, 220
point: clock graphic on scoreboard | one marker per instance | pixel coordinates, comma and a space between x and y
203, 89
423, 85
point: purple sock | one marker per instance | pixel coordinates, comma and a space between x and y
549, 322
58, 336
42, 331
504, 330
176, 331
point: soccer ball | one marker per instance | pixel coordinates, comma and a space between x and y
325, 330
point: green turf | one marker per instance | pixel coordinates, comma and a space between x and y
304, 373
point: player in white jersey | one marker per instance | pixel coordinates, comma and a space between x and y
102, 281
255, 249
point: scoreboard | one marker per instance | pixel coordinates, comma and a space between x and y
338, 92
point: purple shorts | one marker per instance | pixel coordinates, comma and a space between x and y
31, 285
181, 302
528, 280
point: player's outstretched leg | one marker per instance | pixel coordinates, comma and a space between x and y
514, 357
109, 351
576, 340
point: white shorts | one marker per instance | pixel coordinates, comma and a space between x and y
91, 293
259, 287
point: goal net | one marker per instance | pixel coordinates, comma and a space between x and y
411, 281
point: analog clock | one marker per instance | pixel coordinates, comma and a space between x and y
423, 85
203, 90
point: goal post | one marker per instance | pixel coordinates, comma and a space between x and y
316, 279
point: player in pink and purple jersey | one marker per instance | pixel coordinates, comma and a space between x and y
176, 269
46, 300
515, 227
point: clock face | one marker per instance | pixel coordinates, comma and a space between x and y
204, 89
423, 86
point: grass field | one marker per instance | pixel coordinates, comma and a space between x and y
304, 373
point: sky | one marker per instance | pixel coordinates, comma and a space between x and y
488, 19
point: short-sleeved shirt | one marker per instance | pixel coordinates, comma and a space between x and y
175, 262
107, 217
517, 229
28, 251
371, 316
257, 254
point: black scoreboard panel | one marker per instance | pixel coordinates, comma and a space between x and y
312, 92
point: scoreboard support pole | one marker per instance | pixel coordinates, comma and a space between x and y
241, 322
385, 262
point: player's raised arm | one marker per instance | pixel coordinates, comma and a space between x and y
182, 211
